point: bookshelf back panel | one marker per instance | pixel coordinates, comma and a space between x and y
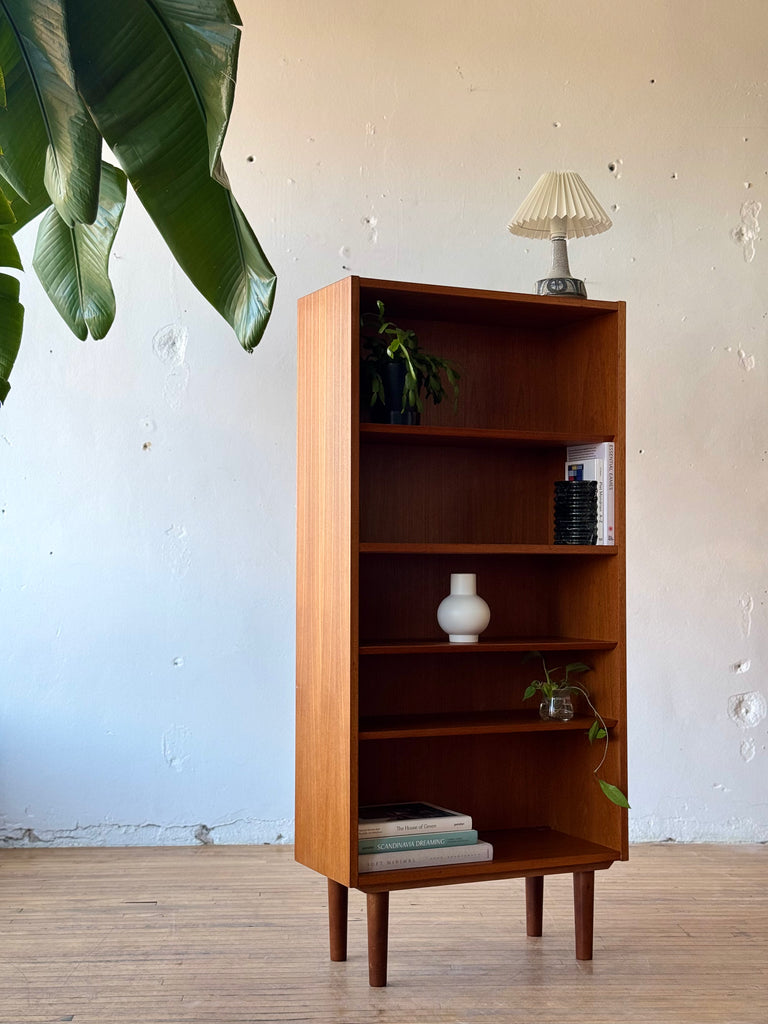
447, 494
423, 684
521, 377
519, 781
537, 595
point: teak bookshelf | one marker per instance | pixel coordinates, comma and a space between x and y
387, 709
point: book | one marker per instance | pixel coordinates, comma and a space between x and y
591, 469
385, 844
408, 819
398, 859
606, 454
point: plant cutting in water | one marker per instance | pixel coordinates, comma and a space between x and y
549, 685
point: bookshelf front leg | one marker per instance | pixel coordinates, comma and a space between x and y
584, 912
534, 904
378, 926
338, 899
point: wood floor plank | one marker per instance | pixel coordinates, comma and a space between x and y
238, 935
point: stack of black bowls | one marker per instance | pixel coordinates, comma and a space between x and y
576, 512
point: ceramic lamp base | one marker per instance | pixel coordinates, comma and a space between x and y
561, 286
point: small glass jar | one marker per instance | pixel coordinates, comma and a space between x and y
557, 708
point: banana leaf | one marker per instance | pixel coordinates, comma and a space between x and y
208, 40
11, 325
138, 85
72, 260
37, 31
21, 131
11, 310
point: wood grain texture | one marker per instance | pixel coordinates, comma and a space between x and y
239, 935
326, 618
387, 514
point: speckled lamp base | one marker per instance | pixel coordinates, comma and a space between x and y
561, 286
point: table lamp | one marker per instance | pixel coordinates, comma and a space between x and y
560, 206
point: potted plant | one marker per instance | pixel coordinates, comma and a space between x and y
396, 370
556, 704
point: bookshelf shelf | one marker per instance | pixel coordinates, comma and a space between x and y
388, 711
509, 645
556, 550
475, 723
516, 852
383, 433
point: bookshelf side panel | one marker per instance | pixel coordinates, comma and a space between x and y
326, 620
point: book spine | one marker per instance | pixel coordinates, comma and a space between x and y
417, 826
606, 452
437, 840
424, 858
591, 469
610, 493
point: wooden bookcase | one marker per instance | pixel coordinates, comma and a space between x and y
387, 709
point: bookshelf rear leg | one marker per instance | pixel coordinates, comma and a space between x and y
378, 926
338, 899
534, 904
584, 912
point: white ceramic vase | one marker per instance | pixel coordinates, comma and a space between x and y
463, 615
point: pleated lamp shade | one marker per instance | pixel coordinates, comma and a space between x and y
561, 202
560, 206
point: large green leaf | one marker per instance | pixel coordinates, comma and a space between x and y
23, 131
73, 150
72, 261
11, 310
207, 38
11, 323
139, 94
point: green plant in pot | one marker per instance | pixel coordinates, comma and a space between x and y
556, 704
396, 371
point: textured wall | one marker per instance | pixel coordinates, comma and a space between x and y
147, 481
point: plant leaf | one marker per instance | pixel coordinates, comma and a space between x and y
72, 261
594, 729
529, 692
9, 254
576, 666
139, 94
11, 324
73, 146
21, 131
613, 793
207, 38
6, 215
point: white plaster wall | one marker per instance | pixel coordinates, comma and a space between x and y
147, 481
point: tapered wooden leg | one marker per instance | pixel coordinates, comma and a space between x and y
378, 926
584, 912
338, 899
534, 904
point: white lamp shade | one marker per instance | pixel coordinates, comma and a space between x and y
559, 204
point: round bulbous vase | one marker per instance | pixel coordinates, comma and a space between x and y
463, 615
557, 708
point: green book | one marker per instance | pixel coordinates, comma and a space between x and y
435, 840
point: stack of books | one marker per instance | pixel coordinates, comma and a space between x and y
596, 462
416, 835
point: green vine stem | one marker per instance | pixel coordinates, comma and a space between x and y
598, 730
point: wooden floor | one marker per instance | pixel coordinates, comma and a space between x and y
233, 935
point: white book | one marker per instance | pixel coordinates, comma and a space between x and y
605, 453
407, 819
425, 858
591, 469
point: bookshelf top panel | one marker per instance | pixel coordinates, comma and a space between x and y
438, 302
